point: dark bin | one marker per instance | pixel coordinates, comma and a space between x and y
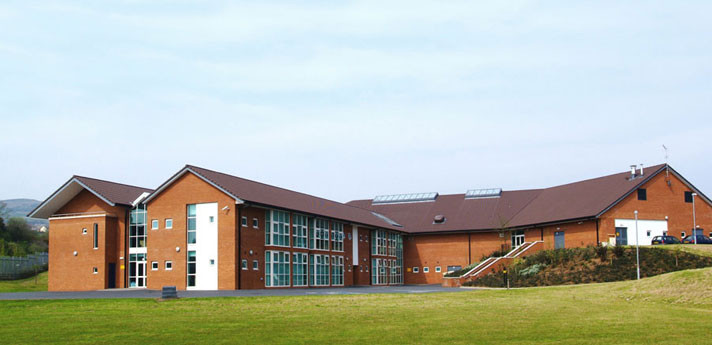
169, 292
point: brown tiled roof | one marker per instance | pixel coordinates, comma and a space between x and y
267, 195
117, 193
579, 200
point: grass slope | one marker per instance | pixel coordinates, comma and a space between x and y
700, 249
25, 285
630, 312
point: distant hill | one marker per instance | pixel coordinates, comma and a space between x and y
21, 207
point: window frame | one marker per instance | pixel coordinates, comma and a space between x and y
168, 223
95, 239
277, 230
255, 223
642, 194
337, 236
168, 265
416, 269
194, 217
300, 231
277, 279
243, 221
154, 224
154, 265
255, 265
243, 264
300, 269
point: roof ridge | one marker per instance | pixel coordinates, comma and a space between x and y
107, 181
273, 186
602, 177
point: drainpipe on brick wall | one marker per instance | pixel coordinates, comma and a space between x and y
598, 242
469, 248
239, 247
126, 248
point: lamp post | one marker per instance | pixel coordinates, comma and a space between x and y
694, 220
637, 249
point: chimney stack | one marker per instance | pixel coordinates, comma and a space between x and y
632, 171
641, 169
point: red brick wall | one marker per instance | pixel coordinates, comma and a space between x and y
162, 243
662, 200
362, 276
75, 273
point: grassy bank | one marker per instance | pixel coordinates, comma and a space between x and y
593, 265
629, 312
38, 283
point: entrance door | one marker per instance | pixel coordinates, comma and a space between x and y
112, 276
137, 270
621, 236
559, 242
517, 238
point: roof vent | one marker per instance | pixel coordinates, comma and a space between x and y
401, 198
439, 219
483, 193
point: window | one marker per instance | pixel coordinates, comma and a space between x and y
438, 269
642, 194
648, 232
379, 243
396, 277
366, 268
337, 237
191, 268
244, 264
318, 270
84, 231
191, 226
299, 231
95, 270
683, 234
255, 223
154, 265
391, 244
426, 269
255, 265
416, 270
168, 265
244, 221
319, 229
688, 197
276, 268
277, 229
169, 223
337, 270
137, 227
96, 236
299, 269
454, 268
154, 224
212, 219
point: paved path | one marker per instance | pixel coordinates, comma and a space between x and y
144, 293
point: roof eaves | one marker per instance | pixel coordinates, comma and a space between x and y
182, 172
32, 213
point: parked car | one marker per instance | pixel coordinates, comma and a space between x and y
701, 239
665, 240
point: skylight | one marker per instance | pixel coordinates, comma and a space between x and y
400, 198
483, 193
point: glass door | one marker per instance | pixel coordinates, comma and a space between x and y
137, 270
517, 238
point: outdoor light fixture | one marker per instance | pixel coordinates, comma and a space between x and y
694, 220
637, 248
178, 249
75, 253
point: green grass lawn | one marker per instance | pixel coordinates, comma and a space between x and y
699, 249
29, 284
673, 308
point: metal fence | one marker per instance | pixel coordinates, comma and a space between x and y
22, 267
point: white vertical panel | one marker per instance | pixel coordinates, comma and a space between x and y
354, 245
206, 246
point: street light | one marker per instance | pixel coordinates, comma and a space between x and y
637, 248
694, 221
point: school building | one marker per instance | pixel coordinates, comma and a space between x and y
207, 230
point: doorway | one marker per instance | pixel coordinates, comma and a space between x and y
137, 270
112, 276
559, 240
621, 236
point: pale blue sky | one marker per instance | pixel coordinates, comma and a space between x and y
347, 100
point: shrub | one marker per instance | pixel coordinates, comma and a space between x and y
602, 252
618, 251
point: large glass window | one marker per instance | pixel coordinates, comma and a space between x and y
137, 227
319, 234
299, 231
379, 271
337, 236
379, 242
392, 244
299, 269
96, 236
192, 226
318, 270
337, 270
191, 268
276, 268
277, 229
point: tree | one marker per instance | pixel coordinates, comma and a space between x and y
19, 231
4, 213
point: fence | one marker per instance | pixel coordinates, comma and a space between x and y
22, 267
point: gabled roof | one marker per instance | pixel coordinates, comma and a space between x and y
579, 200
248, 191
111, 193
